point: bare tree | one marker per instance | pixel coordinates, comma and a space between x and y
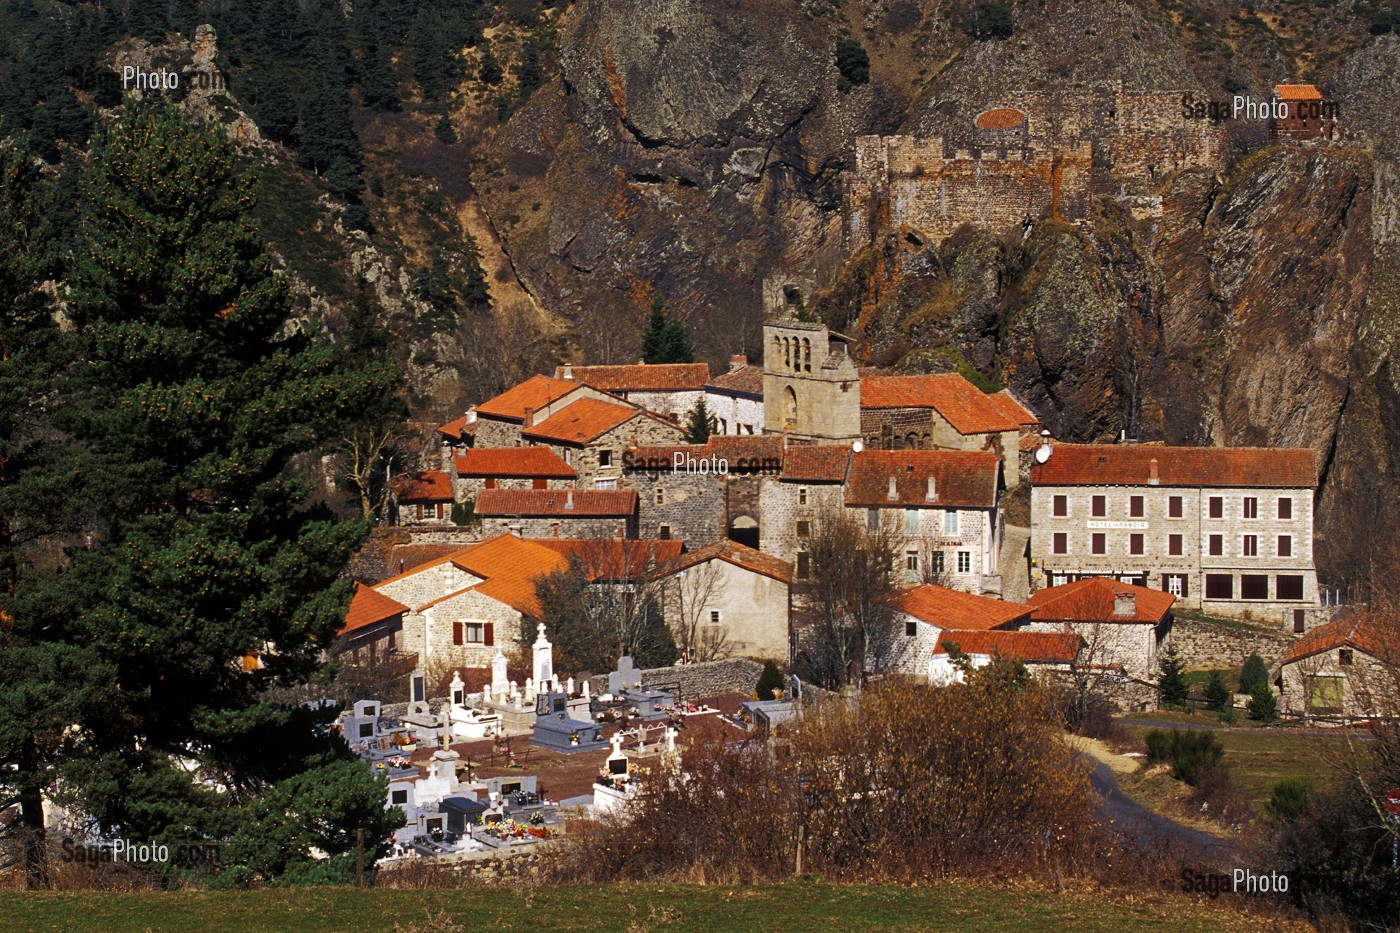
364, 460
849, 623
688, 597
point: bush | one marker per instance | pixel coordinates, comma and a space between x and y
770, 680
1215, 794
992, 21
1254, 673
1191, 753
1263, 704
1291, 800
1091, 716
853, 62
1217, 694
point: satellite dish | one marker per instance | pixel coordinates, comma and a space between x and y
857, 446
1042, 453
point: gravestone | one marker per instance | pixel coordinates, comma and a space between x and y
544, 661
625, 676
555, 729
499, 684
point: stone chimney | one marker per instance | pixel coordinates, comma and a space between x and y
737, 362
569, 499
471, 416
931, 494
568, 370
1124, 604
529, 417
893, 492
1153, 479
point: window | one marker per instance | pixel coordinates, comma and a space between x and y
1254, 586
1220, 586
714, 617
660, 496
1285, 507
911, 561
1216, 546
911, 521
1285, 545
1061, 545
538, 482
964, 562
872, 519
1250, 547
569, 457
1175, 584
490, 484
1217, 507
469, 633
911, 628
604, 458
1135, 544
1288, 586
1135, 507
939, 563
1061, 506
950, 521
1174, 545
605, 483
1100, 506
1344, 657
804, 529
664, 532
1300, 618
1174, 507
802, 495
419, 513
1251, 507
804, 565
398, 798
1098, 544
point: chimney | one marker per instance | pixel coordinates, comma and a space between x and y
569, 499
893, 493
1124, 604
737, 362
471, 416
1153, 479
529, 417
568, 370
932, 494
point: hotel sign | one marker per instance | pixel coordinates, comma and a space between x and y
1117, 526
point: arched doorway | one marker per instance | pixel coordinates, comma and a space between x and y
744, 530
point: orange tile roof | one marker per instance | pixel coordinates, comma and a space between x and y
426, 486
539, 503
1131, 464
458, 428
412, 556
742, 452
641, 377
581, 421
534, 393
1000, 119
732, 552
1012, 409
510, 566
1093, 600
746, 380
944, 607
1374, 633
1027, 646
961, 478
1297, 92
967, 408
369, 606
816, 464
513, 462
614, 559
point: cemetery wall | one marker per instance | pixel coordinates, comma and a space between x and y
1206, 645
692, 681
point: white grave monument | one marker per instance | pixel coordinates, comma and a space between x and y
544, 660
499, 683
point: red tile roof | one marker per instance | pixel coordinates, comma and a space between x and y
746, 380
613, 559
1000, 119
513, 462
427, 486
539, 503
1094, 600
732, 552
369, 606
1131, 465
581, 421
967, 408
1010, 406
949, 608
961, 478
534, 393
1374, 633
1297, 92
510, 567
641, 377
816, 464
457, 429
1060, 647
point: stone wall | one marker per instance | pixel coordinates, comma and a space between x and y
1206, 645
782, 507
693, 681
555, 526
691, 505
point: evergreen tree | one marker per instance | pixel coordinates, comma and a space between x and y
665, 340
1217, 694
444, 130
490, 72
1253, 673
1263, 703
698, 427
1172, 685
437, 66
476, 294
379, 86
528, 73
852, 62
769, 680
187, 414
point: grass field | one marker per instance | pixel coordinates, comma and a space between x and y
626, 909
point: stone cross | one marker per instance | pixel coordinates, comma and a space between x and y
617, 745
670, 740
529, 689
569, 688
585, 689
625, 676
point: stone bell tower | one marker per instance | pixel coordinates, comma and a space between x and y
811, 389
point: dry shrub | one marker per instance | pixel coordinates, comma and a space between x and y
913, 782
1216, 796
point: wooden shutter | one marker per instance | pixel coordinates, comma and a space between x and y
456, 633
420, 510
488, 633
540, 483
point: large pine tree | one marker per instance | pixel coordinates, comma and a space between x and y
192, 414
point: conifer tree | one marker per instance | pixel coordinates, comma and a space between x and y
665, 340
1172, 685
189, 413
1217, 694
698, 427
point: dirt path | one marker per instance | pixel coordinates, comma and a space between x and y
1151, 830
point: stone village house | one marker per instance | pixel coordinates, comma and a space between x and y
1349, 668
668, 389
1122, 625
